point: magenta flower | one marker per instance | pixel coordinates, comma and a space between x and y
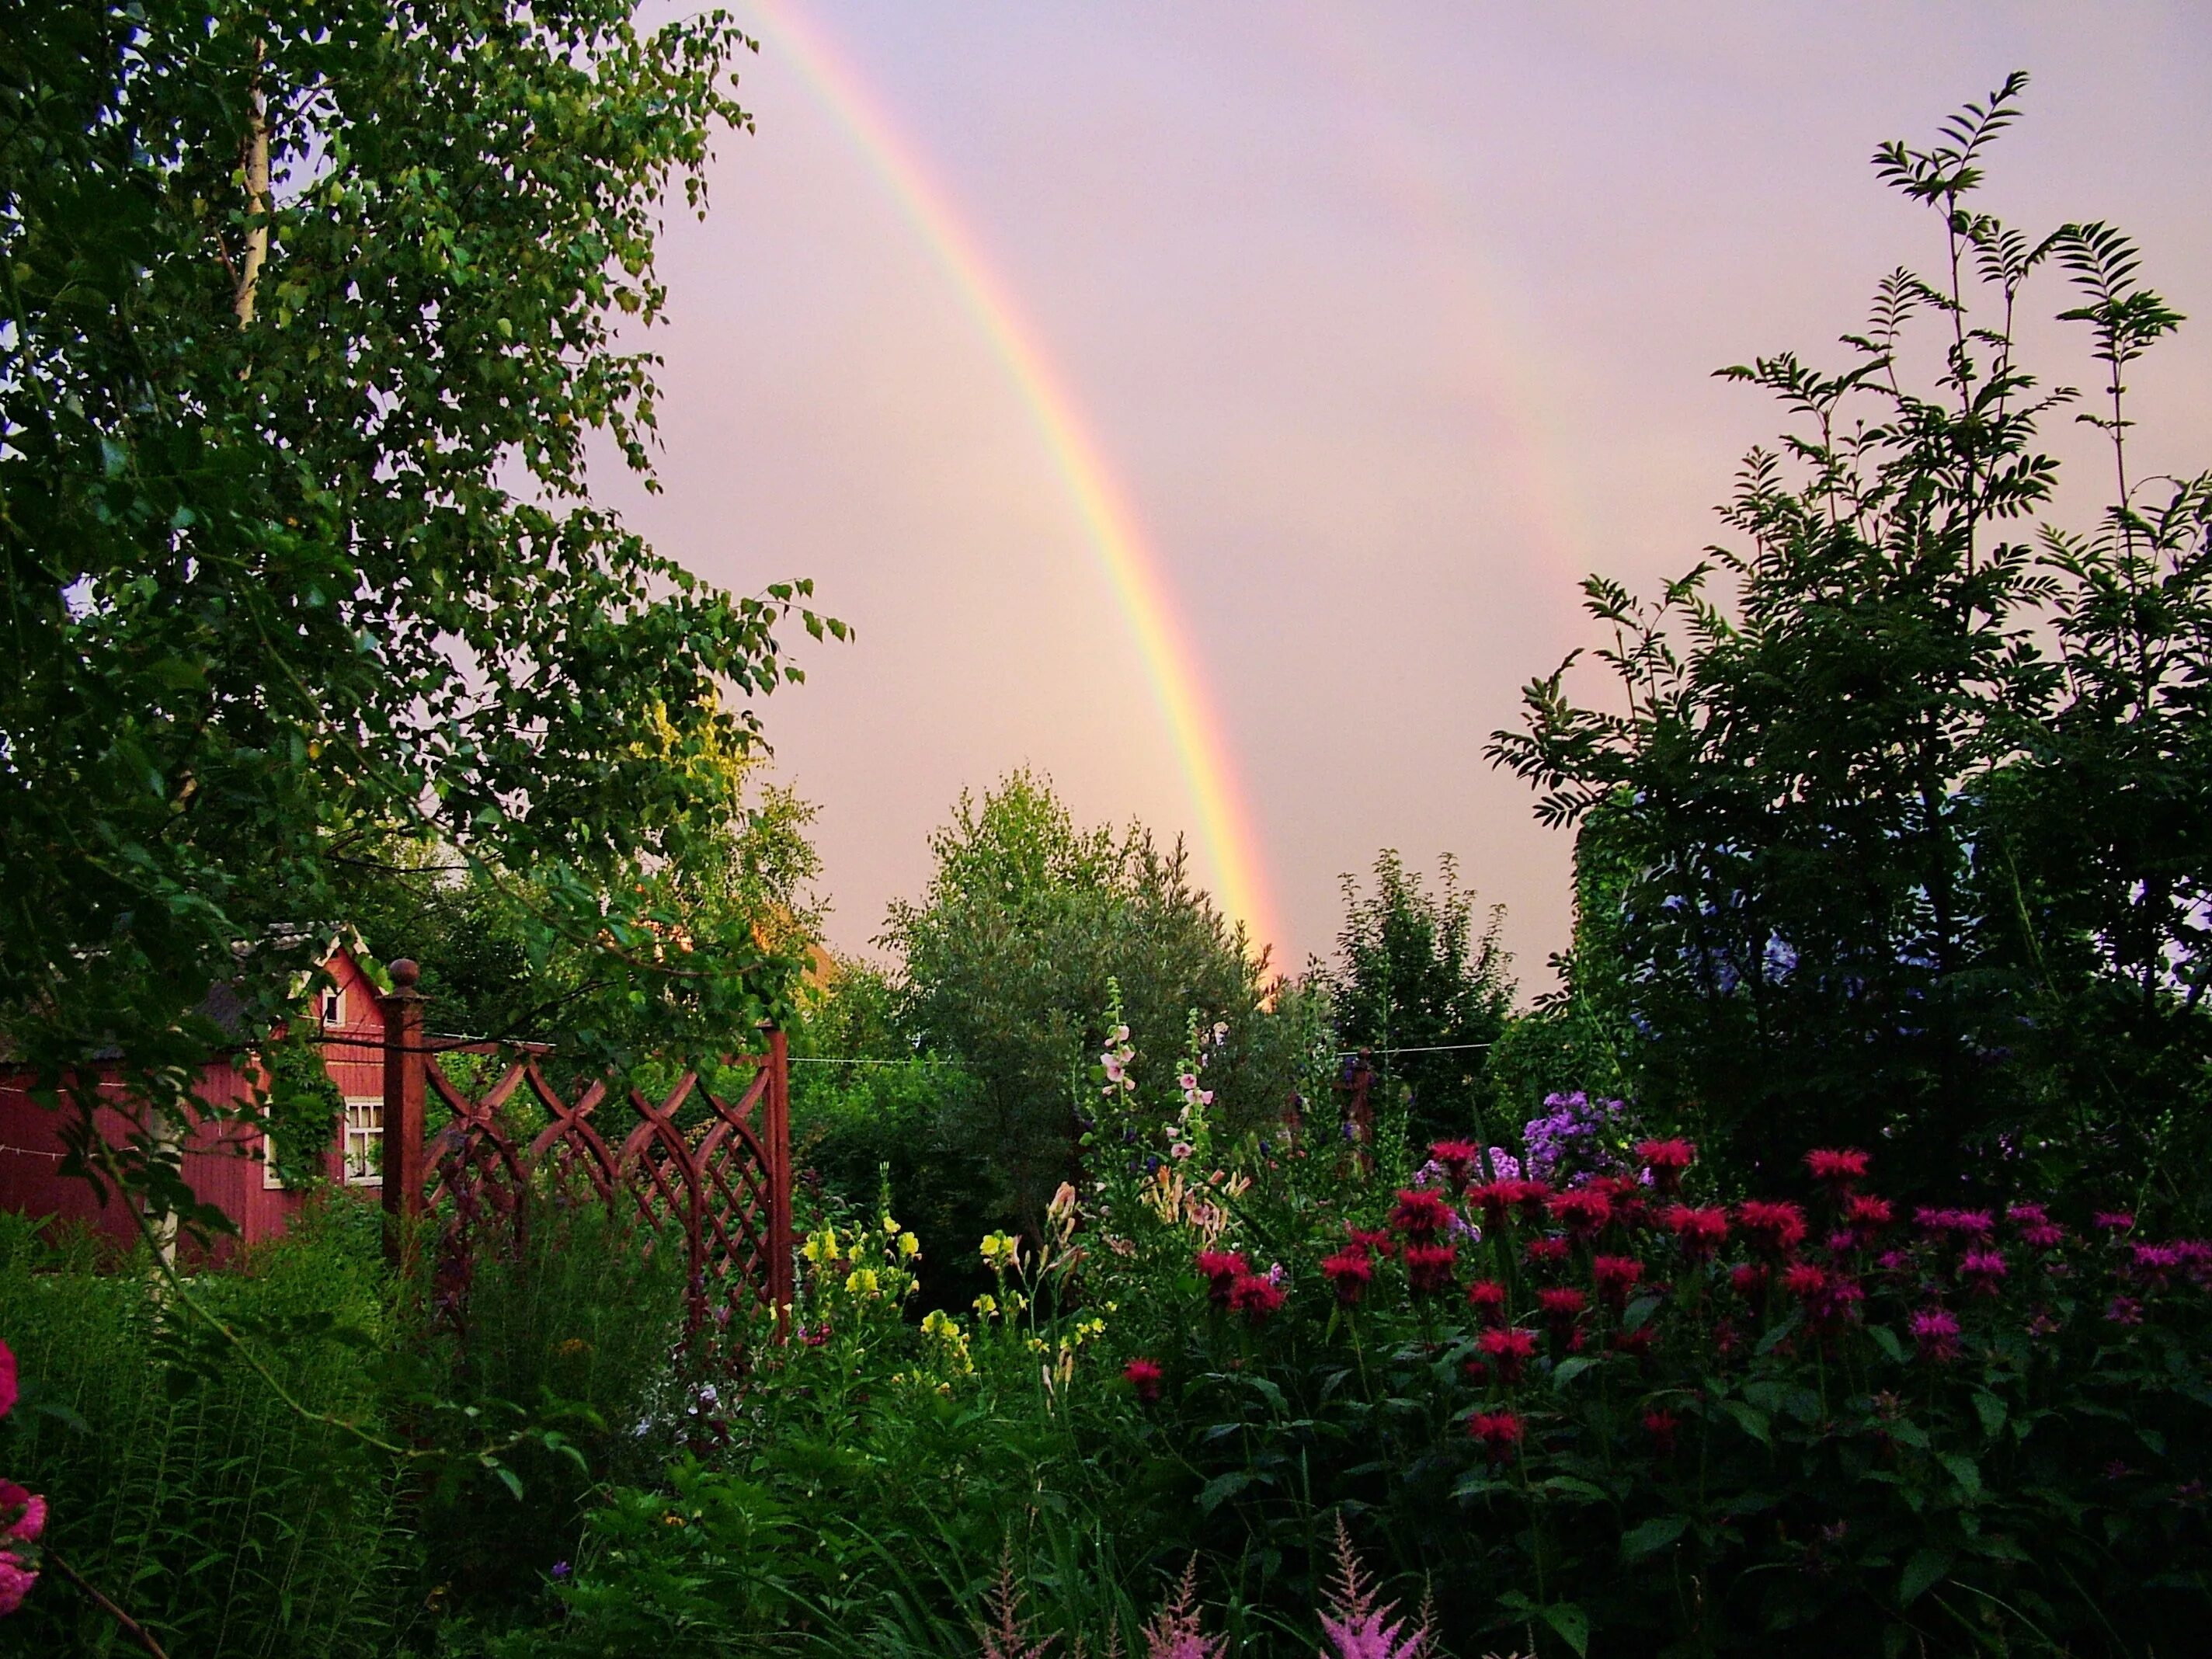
1936, 1332
1836, 1168
1350, 1271
1499, 1431
2114, 1221
1508, 1349
1176, 1630
1982, 1270
1143, 1377
15, 1582
1777, 1227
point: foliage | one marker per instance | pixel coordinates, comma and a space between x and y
1914, 825
310, 320
1414, 982
204, 1507
490, 970
1620, 1408
1006, 962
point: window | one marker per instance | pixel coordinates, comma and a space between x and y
362, 1150
364, 1142
333, 1005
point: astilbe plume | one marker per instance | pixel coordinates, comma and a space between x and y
1007, 1634
1175, 1632
1356, 1621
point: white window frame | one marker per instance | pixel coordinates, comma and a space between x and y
333, 1005
370, 1131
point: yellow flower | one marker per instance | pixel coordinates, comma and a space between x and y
890, 1228
822, 1247
937, 1323
909, 1245
862, 1281
999, 1250
986, 1304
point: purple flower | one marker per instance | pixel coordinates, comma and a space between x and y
560, 1571
1936, 1332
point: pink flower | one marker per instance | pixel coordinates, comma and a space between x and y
1508, 1350
1660, 1426
2155, 1261
6, 1379
2124, 1310
1144, 1376
1867, 1214
2114, 1221
1836, 1168
1616, 1276
1358, 1623
1499, 1431
1255, 1298
1350, 1271
22, 1513
1702, 1231
15, 1582
1666, 1159
1983, 1269
1487, 1298
1428, 1267
1176, 1630
1778, 1227
1936, 1332
1805, 1281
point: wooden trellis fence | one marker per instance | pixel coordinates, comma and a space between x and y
717, 1171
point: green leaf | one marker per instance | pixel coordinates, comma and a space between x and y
1990, 1409
1966, 1473
1924, 1570
508, 1479
1568, 1370
1223, 1487
1571, 1623
1753, 1421
1648, 1536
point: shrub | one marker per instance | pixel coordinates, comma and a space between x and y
222, 1520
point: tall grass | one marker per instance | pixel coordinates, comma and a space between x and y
221, 1518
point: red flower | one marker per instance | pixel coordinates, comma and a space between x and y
1530, 1195
1421, 1214
1585, 1211
1428, 1267
1254, 1296
1145, 1377
1495, 1197
1636, 1344
1778, 1227
1836, 1168
1702, 1231
1499, 1431
1660, 1426
1748, 1280
1562, 1305
1616, 1276
1867, 1216
1459, 1157
1667, 1159
1508, 1349
1371, 1238
1546, 1252
1350, 1271
1805, 1281
1221, 1269
1487, 1298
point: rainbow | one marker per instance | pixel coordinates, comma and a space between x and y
1225, 837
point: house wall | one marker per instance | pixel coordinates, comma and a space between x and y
223, 1162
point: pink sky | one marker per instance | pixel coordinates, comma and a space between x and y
1391, 322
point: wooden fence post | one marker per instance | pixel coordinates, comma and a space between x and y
778, 1141
406, 1064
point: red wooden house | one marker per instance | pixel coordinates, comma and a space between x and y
225, 1162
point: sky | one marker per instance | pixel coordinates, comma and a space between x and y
1347, 339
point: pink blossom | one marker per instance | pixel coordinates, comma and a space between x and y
1358, 1623
24, 1513
1983, 1269
15, 1582
6, 1379
1175, 1631
1937, 1330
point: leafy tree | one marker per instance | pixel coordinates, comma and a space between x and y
1008, 961
1414, 982
1914, 827
310, 320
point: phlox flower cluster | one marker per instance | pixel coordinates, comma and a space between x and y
1573, 1135
22, 1513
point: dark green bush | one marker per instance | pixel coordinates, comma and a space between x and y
212, 1512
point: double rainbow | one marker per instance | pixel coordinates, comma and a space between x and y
1226, 838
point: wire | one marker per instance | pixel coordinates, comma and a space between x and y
819, 1059
1438, 1048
